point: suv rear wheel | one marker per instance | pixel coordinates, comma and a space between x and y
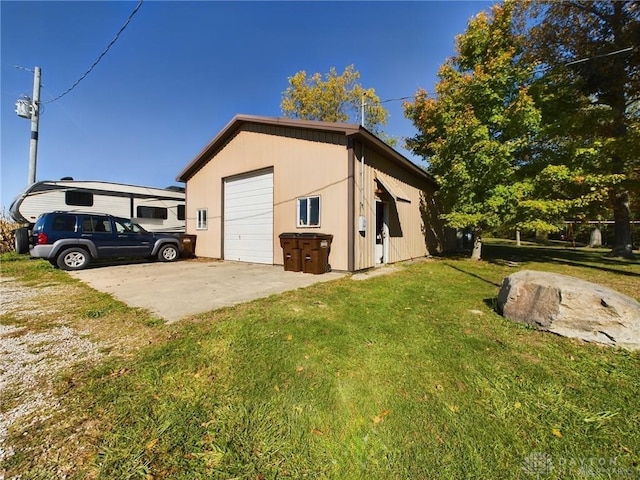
74, 258
22, 240
168, 253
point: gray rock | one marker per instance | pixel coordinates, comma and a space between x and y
571, 307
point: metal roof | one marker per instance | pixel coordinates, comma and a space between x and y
347, 129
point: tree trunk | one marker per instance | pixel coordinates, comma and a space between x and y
616, 95
622, 228
517, 237
476, 254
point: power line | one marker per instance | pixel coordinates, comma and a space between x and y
135, 10
543, 69
396, 99
582, 60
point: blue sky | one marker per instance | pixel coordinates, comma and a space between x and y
182, 70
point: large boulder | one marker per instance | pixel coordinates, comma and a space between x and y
571, 307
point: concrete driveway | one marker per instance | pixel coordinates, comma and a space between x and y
176, 290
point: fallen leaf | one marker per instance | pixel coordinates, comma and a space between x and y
300, 369
151, 444
276, 388
289, 338
517, 405
315, 431
122, 371
556, 432
380, 417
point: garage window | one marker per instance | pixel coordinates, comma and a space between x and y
201, 219
309, 212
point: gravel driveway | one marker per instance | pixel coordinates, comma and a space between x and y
29, 361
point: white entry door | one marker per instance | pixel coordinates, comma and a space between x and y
248, 218
382, 233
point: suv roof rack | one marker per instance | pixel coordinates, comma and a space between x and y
82, 212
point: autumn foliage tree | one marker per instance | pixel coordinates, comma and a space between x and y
589, 91
333, 98
476, 129
534, 121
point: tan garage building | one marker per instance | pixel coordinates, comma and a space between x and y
262, 176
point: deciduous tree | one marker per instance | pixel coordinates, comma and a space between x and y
476, 130
589, 91
333, 98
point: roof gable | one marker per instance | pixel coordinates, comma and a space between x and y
348, 130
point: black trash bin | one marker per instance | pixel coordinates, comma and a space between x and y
314, 250
188, 245
290, 252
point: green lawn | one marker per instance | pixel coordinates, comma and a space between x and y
411, 375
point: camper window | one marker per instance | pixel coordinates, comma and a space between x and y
78, 198
181, 215
152, 212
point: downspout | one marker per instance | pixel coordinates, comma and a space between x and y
362, 181
362, 219
362, 104
351, 212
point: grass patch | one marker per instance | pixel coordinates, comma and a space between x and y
411, 375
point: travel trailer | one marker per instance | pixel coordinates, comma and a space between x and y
154, 209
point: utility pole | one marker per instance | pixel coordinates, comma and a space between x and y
35, 123
29, 107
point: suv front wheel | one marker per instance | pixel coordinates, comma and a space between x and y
74, 258
168, 253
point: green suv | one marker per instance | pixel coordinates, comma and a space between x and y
72, 240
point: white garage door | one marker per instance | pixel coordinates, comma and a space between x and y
248, 218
